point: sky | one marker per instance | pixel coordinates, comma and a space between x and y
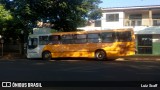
125, 3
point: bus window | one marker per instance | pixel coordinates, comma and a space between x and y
32, 43
108, 37
67, 39
54, 39
80, 38
93, 38
43, 40
124, 36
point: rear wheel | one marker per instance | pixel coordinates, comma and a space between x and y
100, 55
46, 55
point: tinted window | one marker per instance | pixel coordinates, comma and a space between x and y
112, 17
32, 43
93, 35
80, 39
54, 39
93, 38
124, 36
108, 37
67, 36
81, 36
67, 39
43, 40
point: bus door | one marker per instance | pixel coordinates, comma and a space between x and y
43, 42
32, 47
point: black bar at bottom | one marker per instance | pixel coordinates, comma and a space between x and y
81, 83
101, 83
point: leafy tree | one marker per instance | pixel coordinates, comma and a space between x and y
5, 22
95, 14
10, 27
4, 17
65, 15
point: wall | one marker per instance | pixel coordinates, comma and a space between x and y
156, 44
145, 18
118, 24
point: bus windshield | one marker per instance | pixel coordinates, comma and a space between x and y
32, 43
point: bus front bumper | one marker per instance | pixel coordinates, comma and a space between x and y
34, 55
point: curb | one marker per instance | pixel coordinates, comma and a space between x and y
146, 59
139, 58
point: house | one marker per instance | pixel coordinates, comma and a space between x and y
131, 16
145, 20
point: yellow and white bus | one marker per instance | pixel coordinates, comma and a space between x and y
99, 44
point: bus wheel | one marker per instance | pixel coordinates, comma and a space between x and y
100, 55
46, 55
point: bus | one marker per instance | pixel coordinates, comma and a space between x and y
98, 44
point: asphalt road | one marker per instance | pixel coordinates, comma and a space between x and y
79, 70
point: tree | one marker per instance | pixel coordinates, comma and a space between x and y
95, 14
10, 27
5, 23
65, 15
5, 16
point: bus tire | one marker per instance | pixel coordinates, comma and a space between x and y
100, 55
46, 55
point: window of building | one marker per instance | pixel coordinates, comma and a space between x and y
156, 19
144, 44
144, 40
156, 16
156, 22
136, 19
135, 16
112, 17
98, 23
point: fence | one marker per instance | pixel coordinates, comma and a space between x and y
12, 48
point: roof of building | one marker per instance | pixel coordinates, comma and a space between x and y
149, 30
131, 8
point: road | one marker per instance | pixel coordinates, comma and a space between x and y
79, 70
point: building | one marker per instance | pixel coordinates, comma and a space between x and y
131, 16
145, 20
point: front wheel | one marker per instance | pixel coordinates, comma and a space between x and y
100, 55
46, 55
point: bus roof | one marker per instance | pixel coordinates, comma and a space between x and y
83, 32
94, 31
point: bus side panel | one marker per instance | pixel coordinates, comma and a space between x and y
56, 50
117, 49
121, 49
113, 50
75, 50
